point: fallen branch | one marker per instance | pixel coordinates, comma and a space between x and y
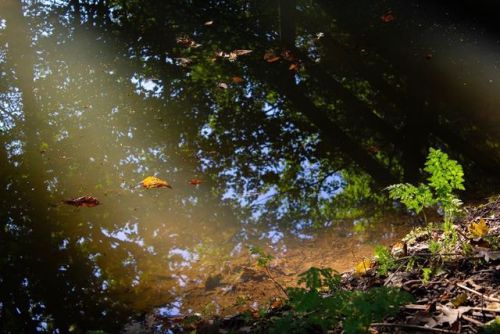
485, 297
429, 329
471, 320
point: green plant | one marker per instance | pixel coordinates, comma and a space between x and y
434, 247
426, 274
385, 260
445, 177
315, 311
492, 327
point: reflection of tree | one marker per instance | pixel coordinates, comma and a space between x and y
283, 147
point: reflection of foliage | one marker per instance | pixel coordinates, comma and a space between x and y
263, 258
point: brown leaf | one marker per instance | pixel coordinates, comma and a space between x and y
154, 182
241, 52
288, 55
487, 253
184, 62
388, 17
294, 67
238, 80
187, 42
85, 201
195, 182
271, 57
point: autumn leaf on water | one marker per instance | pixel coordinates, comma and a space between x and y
238, 80
195, 182
271, 57
233, 55
388, 17
85, 201
241, 52
294, 67
154, 182
184, 62
222, 85
362, 267
288, 55
479, 229
187, 42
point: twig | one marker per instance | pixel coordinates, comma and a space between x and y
485, 309
487, 298
435, 330
474, 321
281, 288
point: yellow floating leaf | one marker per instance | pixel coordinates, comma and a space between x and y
154, 182
480, 229
362, 267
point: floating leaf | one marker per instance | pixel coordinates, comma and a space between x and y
388, 17
222, 85
195, 182
154, 182
43, 147
184, 62
294, 67
187, 42
479, 229
271, 57
288, 55
238, 80
362, 267
241, 52
86, 201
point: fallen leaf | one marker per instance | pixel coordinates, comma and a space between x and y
388, 17
43, 147
241, 52
195, 182
294, 67
85, 201
449, 315
184, 62
459, 300
399, 249
222, 85
238, 80
208, 23
479, 229
187, 42
154, 182
362, 267
320, 35
288, 55
271, 57
487, 253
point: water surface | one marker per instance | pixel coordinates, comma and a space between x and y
292, 155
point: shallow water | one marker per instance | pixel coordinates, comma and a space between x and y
91, 103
